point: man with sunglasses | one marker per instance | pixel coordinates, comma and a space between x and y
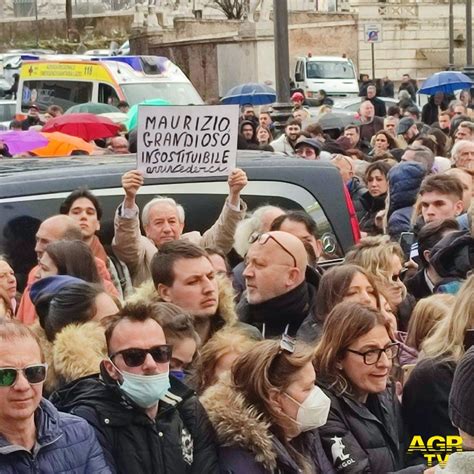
146, 421
278, 297
34, 436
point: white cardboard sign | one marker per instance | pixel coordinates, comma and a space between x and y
183, 141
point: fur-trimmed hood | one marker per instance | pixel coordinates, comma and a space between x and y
239, 424
225, 313
76, 352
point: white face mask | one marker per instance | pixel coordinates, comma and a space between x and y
314, 411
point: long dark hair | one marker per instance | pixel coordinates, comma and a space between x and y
74, 258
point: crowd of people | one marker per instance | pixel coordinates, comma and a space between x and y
235, 350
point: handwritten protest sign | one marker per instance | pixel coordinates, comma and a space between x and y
182, 141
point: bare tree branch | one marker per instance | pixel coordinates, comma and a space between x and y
232, 9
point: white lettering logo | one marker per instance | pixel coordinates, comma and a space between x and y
337, 450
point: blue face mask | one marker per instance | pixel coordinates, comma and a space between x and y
145, 390
179, 374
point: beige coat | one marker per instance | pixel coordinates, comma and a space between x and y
136, 250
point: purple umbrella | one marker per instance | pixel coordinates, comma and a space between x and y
21, 141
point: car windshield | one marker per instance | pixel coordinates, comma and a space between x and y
329, 70
177, 93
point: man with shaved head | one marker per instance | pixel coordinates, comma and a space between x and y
278, 296
59, 227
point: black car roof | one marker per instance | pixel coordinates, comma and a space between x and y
34, 176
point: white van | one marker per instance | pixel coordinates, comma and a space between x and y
70, 80
336, 75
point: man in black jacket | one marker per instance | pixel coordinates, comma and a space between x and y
146, 421
278, 296
379, 105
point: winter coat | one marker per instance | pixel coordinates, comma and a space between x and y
387, 89
246, 443
179, 441
417, 285
368, 130
282, 145
225, 316
64, 443
404, 183
371, 206
453, 255
272, 317
365, 438
379, 106
357, 190
425, 402
136, 250
430, 111
458, 463
76, 351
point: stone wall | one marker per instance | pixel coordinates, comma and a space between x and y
222, 58
414, 37
22, 31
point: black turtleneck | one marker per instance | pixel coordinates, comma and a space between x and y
271, 317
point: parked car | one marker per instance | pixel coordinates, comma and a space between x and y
32, 189
7, 112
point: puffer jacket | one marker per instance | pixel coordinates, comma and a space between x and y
76, 351
365, 438
404, 183
179, 441
65, 443
246, 443
136, 250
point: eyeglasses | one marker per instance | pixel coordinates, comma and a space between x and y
372, 356
262, 239
135, 357
33, 373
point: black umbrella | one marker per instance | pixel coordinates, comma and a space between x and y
336, 120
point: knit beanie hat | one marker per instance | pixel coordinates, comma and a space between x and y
461, 398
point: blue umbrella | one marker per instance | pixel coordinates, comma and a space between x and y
446, 81
251, 93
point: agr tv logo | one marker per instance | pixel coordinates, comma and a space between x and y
437, 449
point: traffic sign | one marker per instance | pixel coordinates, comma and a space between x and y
373, 33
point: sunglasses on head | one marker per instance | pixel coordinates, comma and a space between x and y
262, 239
135, 357
35, 373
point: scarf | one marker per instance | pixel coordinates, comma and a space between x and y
290, 309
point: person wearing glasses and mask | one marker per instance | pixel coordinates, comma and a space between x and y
34, 436
353, 361
268, 411
280, 292
146, 420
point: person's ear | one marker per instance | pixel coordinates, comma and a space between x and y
319, 248
275, 398
111, 369
427, 255
459, 207
293, 276
164, 292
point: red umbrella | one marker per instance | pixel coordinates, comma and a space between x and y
86, 126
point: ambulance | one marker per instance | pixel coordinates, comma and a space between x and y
70, 80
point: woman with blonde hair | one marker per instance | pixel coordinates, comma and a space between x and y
267, 413
426, 393
353, 361
384, 260
426, 314
218, 355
